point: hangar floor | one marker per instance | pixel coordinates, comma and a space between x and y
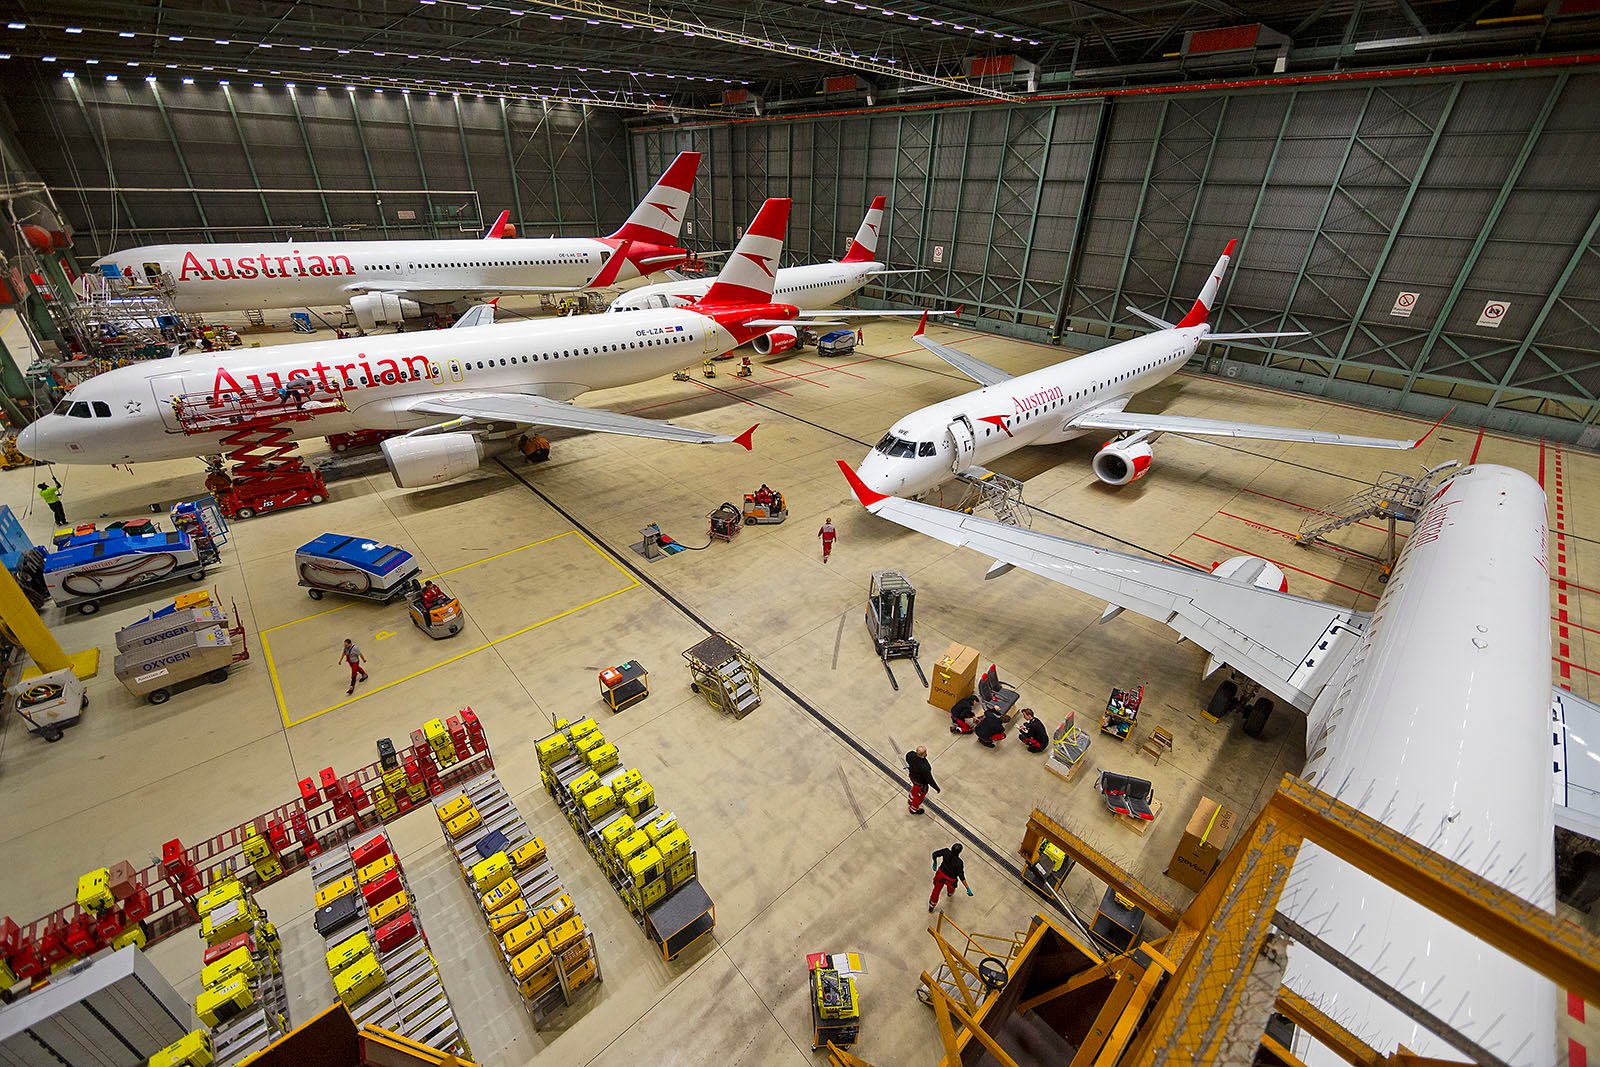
804, 844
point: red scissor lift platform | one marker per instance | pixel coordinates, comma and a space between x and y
254, 431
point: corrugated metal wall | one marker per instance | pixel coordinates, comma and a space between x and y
1466, 193
239, 161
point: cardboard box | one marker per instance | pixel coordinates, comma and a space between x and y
1204, 840
954, 675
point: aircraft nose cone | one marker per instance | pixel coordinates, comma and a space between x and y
27, 441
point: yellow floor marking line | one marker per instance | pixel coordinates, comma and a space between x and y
272, 667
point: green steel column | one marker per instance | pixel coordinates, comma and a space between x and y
422, 170
361, 139
1138, 212
955, 213
311, 158
550, 158
1550, 301
1255, 210
588, 165
1086, 191
999, 184
1200, 191
511, 163
177, 148
1529, 142
1038, 198
14, 386
249, 162
1399, 220
104, 150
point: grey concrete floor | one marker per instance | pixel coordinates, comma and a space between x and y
804, 843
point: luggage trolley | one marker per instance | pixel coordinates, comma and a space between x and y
354, 566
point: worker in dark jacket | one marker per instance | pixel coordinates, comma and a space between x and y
991, 727
1032, 732
947, 872
921, 778
961, 715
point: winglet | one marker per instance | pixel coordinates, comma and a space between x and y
867, 497
744, 439
499, 228
921, 326
1435, 426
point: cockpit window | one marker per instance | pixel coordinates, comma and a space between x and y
62, 408
79, 410
925, 448
896, 447
102, 410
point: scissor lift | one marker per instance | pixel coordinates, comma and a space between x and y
254, 429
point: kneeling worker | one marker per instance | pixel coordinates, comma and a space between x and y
1031, 733
991, 727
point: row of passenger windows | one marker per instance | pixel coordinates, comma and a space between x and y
500, 263
649, 342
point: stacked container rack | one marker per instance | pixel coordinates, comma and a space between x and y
411, 1000
645, 855
238, 925
542, 941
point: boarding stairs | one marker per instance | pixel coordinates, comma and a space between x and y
1394, 498
256, 430
1002, 495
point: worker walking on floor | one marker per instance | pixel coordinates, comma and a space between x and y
829, 535
352, 655
947, 873
921, 778
51, 494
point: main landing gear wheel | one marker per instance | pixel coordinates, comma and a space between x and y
1222, 700
1255, 720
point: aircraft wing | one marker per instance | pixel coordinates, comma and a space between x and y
971, 366
1575, 734
1109, 419
542, 411
1292, 646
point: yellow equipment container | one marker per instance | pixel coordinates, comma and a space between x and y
256, 848
219, 894
588, 743
598, 803
553, 749
583, 728
359, 979
583, 783
453, 807
673, 847
395, 781
270, 868
239, 961
514, 912
388, 908
463, 824
94, 891
640, 799
376, 869
217, 1006
645, 897
647, 866
133, 935
616, 831
631, 846
486, 874
537, 983
660, 826
556, 912
495, 898
417, 791
528, 855
680, 872
602, 758
581, 974
565, 934
335, 891
228, 920
626, 780
530, 959
193, 1049
347, 952
434, 730
519, 937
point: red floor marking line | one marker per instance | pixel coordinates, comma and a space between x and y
1190, 562
721, 392
1286, 566
1577, 1055
837, 370
1285, 533
1574, 1005
1475, 446
1567, 664
1320, 511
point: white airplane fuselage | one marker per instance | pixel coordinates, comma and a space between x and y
928, 447
809, 288
127, 414
1441, 730
238, 277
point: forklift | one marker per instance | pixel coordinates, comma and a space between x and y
890, 603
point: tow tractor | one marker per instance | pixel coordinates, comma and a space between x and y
768, 507
443, 619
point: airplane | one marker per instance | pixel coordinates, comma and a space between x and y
814, 286
1433, 713
479, 377
957, 437
388, 282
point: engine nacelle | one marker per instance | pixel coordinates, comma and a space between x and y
1258, 572
1119, 462
774, 341
429, 459
383, 309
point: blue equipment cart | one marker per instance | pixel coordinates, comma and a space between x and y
354, 566
90, 567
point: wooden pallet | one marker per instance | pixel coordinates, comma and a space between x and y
1136, 825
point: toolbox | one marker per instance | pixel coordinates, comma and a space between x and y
537, 983
370, 852
347, 952
438, 737
376, 869
334, 890
217, 1006
512, 912
486, 874
631, 846
598, 803
556, 912
396, 932
239, 961
647, 896
229, 920
358, 980
381, 889
553, 749
220, 894
660, 826
583, 728
680, 872
529, 854
836, 996
565, 934
463, 824
626, 780
519, 937
581, 974
492, 842
640, 799
588, 743
646, 866
94, 891
216, 952
387, 909
673, 847
341, 913
496, 898
615, 831
602, 758
453, 807
530, 959
583, 783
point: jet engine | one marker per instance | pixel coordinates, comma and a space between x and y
1121, 462
428, 459
383, 309
774, 341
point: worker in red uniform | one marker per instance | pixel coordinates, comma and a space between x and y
829, 535
947, 873
351, 654
1031, 733
432, 595
921, 772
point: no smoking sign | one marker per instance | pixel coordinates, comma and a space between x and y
1403, 305
1493, 312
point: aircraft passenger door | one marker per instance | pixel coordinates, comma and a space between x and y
712, 347
963, 443
164, 387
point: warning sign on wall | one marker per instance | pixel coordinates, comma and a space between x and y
1493, 312
690, 227
938, 253
1403, 305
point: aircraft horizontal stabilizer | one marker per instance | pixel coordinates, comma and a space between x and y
1252, 336
1160, 324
